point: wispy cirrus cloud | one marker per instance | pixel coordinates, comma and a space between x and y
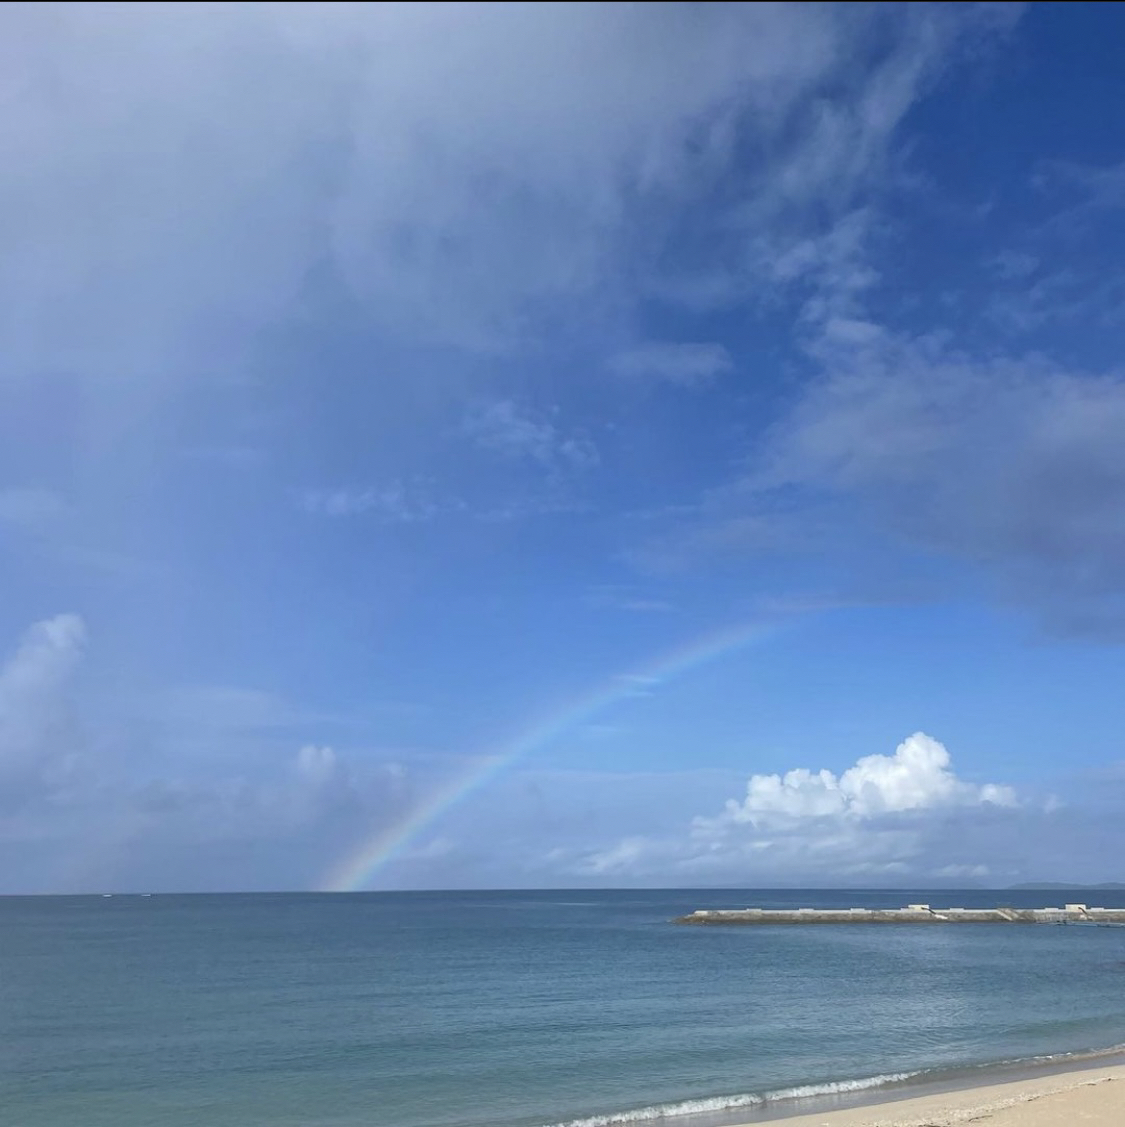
513, 431
383, 166
1000, 464
1012, 466
397, 503
680, 363
449, 205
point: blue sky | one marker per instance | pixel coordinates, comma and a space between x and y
379, 384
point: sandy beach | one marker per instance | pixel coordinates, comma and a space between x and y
1089, 1098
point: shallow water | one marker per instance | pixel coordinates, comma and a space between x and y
512, 1009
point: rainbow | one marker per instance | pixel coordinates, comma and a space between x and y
356, 870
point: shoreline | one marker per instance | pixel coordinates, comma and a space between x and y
927, 1098
935, 1085
1093, 1095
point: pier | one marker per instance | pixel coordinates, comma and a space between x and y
910, 914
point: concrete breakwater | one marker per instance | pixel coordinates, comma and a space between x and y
911, 914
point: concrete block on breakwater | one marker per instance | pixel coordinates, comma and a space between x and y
911, 914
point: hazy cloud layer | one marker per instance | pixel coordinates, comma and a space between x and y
35, 730
179, 171
297, 301
512, 431
684, 364
82, 807
1014, 466
1007, 464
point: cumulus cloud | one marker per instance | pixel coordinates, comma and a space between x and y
918, 776
34, 699
87, 801
887, 819
247, 825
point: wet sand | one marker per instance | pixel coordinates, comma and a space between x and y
1088, 1098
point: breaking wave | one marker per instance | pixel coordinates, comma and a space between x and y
840, 1087
729, 1103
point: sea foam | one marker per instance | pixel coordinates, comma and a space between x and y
666, 1111
714, 1104
840, 1087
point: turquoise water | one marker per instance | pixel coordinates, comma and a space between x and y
511, 1009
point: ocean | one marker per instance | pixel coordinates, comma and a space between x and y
518, 1009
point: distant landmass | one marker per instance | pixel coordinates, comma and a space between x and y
1055, 886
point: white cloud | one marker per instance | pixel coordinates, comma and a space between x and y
173, 173
910, 431
1010, 464
182, 180
516, 432
684, 364
885, 819
1013, 265
34, 685
316, 764
560, 460
397, 503
964, 872
33, 676
620, 858
339, 502
918, 776
88, 800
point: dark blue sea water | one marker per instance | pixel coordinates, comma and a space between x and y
512, 1009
